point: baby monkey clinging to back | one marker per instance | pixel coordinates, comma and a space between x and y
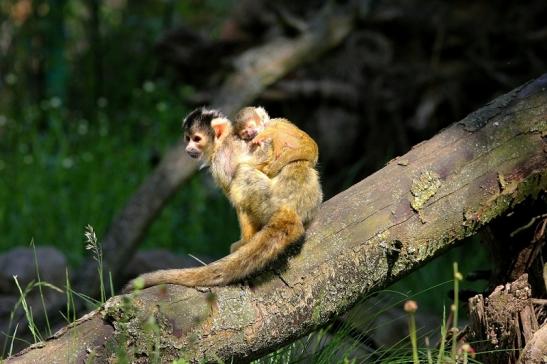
275, 142
250, 121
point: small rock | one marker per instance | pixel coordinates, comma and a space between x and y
20, 262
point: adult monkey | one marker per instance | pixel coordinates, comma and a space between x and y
273, 212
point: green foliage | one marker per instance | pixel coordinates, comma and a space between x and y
54, 180
85, 116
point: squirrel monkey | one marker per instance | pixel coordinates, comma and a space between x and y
276, 142
272, 212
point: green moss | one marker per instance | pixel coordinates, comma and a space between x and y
119, 309
317, 310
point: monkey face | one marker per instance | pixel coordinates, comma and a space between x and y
199, 132
197, 144
249, 131
202, 130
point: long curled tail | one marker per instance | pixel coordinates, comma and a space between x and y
284, 228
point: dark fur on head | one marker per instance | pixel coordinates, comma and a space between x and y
200, 120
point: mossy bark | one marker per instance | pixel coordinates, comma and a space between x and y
365, 238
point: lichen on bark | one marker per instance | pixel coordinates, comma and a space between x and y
423, 188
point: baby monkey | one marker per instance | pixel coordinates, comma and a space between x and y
274, 142
250, 121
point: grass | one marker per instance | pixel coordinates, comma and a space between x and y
460, 352
28, 312
35, 331
71, 314
95, 247
37, 271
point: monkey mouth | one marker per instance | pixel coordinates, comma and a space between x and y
194, 155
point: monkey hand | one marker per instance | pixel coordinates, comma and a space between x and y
262, 151
261, 142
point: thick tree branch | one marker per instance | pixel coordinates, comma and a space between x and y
363, 239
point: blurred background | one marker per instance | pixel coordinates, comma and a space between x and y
92, 94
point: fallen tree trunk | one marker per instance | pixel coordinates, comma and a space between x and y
365, 238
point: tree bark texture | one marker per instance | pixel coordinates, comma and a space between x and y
363, 239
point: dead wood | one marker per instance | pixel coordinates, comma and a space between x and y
366, 237
503, 323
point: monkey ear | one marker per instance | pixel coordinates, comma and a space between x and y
220, 126
263, 114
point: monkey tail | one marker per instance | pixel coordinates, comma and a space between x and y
284, 228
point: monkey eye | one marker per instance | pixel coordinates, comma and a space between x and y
196, 138
187, 138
